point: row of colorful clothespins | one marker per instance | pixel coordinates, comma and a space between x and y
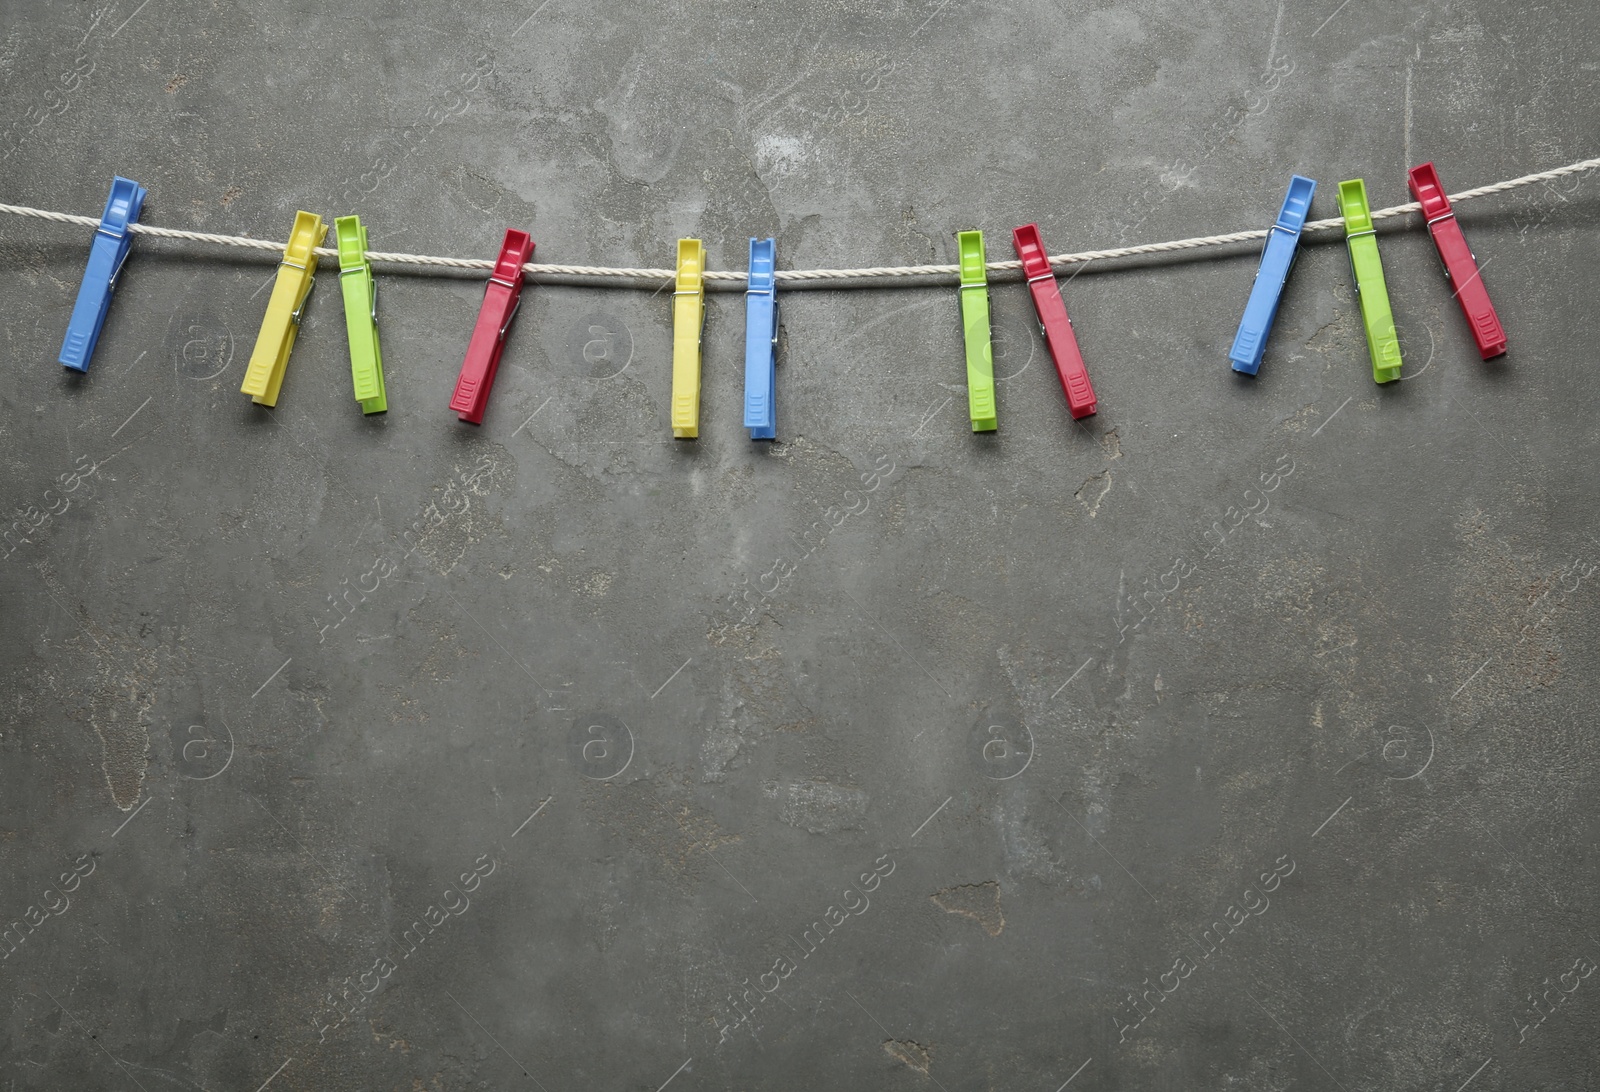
1361, 237
263, 376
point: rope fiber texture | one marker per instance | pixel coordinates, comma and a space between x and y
628, 277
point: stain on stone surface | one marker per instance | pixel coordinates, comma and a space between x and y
116, 697
595, 585
456, 515
663, 821
755, 694
1027, 852
819, 807
909, 1053
1510, 609
1093, 491
978, 901
384, 1034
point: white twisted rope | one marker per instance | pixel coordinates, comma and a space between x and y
798, 276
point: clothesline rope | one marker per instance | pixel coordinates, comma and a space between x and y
797, 276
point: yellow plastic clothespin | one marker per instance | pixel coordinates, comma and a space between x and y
264, 376
688, 321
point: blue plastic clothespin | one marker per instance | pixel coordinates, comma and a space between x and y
761, 341
1276, 260
106, 255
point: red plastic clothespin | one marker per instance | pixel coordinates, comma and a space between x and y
1460, 267
500, 301
1053, 320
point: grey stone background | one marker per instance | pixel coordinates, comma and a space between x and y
630, 718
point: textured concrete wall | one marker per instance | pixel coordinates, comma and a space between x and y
1238, 737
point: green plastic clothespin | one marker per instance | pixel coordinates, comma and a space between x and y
360, 314
1362, 239
975, 325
